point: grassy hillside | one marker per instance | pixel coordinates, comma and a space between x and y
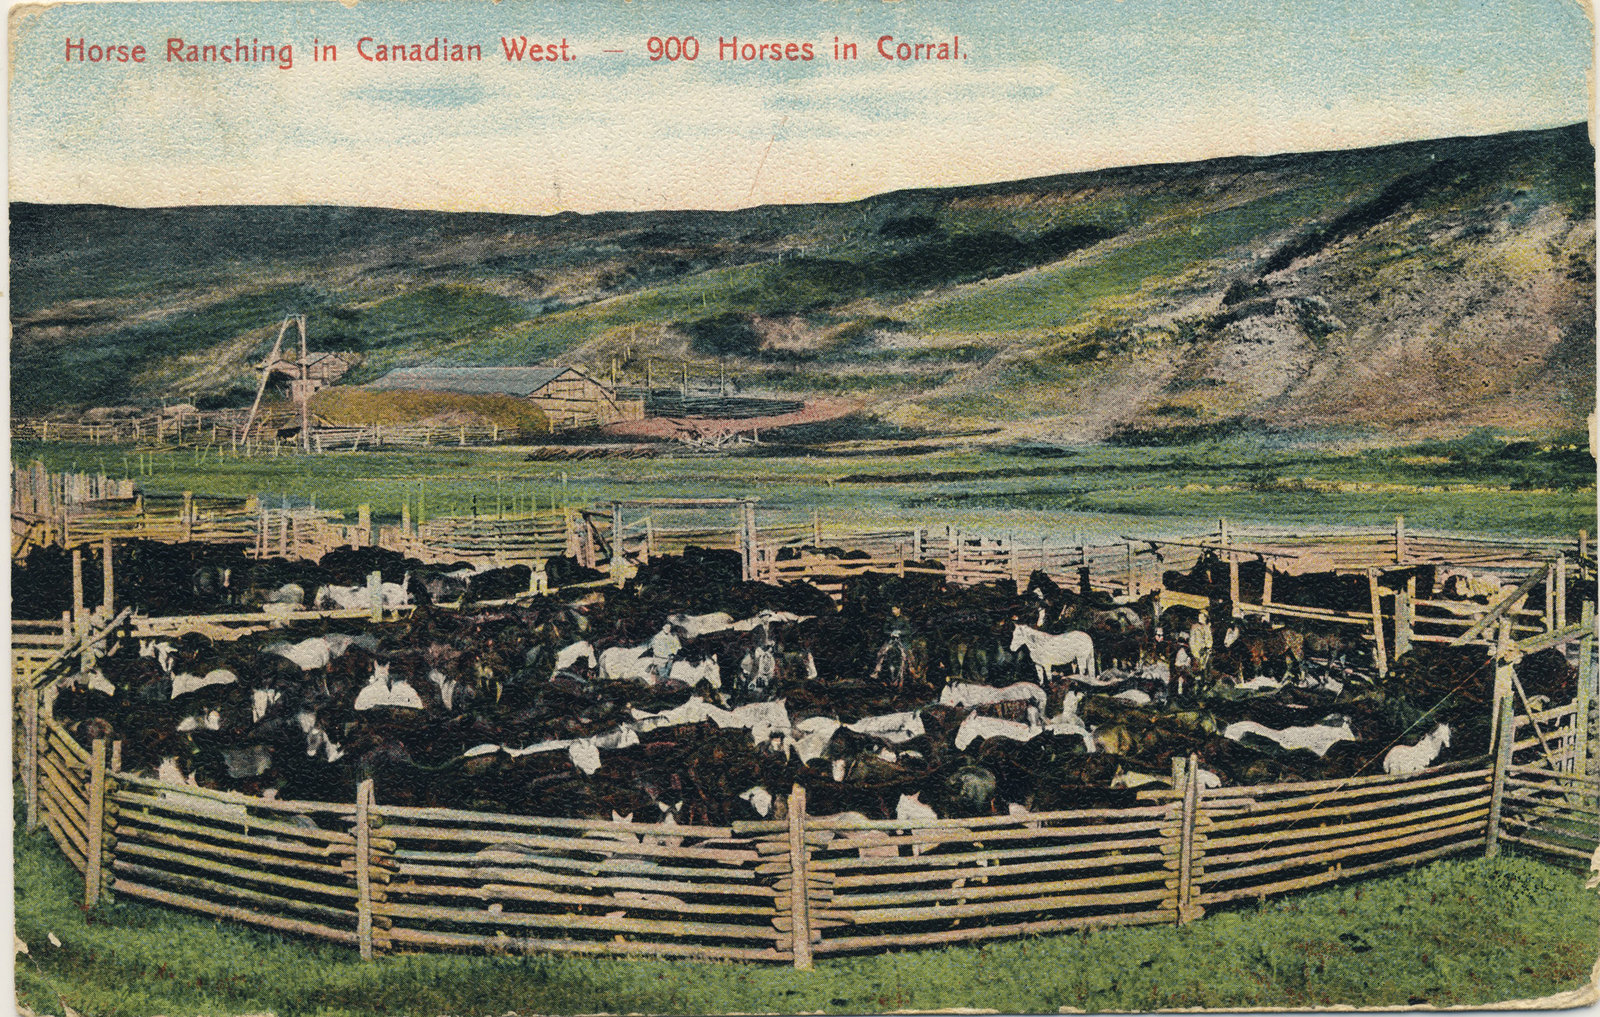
1427, 288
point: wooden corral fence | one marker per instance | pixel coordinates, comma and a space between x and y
225, 429
385, 878
34, 491
71, 509
389, 878
328, 438
173, 427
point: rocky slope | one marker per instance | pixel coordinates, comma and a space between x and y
1423, 289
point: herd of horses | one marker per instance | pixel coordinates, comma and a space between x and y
692, 694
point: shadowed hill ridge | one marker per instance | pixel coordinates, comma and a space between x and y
1428, 288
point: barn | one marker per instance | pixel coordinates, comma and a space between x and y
321, 368
568, 396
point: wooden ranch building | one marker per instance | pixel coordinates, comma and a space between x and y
322, 369
568, 396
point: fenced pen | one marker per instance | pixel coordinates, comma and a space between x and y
384, 878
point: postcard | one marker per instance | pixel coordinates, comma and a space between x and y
650, 506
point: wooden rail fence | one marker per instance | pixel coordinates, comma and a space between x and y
385, 878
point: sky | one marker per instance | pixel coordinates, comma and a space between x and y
1038, 88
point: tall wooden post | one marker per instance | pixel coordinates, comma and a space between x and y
405, 517
30, 753
188, 516
1399, 539
1502, 767
799, 896
618, 560
1379, 652
363, 525
375, 593
1404, 605
1561, 591
752, 553
1586, 681
816, 528
1187, 910
1233, 584
1266, 595
363, 834
80, 622
95, 833
1502, 670
107, 598
1550, 599
1127, 560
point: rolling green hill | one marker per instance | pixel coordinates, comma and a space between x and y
1425, 289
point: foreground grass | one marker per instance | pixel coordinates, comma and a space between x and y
1454, 933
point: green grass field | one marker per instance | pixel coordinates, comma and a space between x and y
1477, 484
1453, 933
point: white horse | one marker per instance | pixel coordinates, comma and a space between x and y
1411, 758
628, 663
1050, 651
1319, 737
568, 656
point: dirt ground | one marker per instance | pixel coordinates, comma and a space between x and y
814, 411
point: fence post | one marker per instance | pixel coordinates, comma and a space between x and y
1550, 622
1402, 617
1561, 591
748, 527
363, 833
1184, 777
30, 751
1234, 595
1580, 756
107, 599
1502, 671
364, 525
618, 560
799, 891
188, 516
94, 860
1502, 764
80, 621
1399, 539
816, 528
375, 595
1379, 652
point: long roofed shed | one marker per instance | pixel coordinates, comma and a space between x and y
516, 381
568, 396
